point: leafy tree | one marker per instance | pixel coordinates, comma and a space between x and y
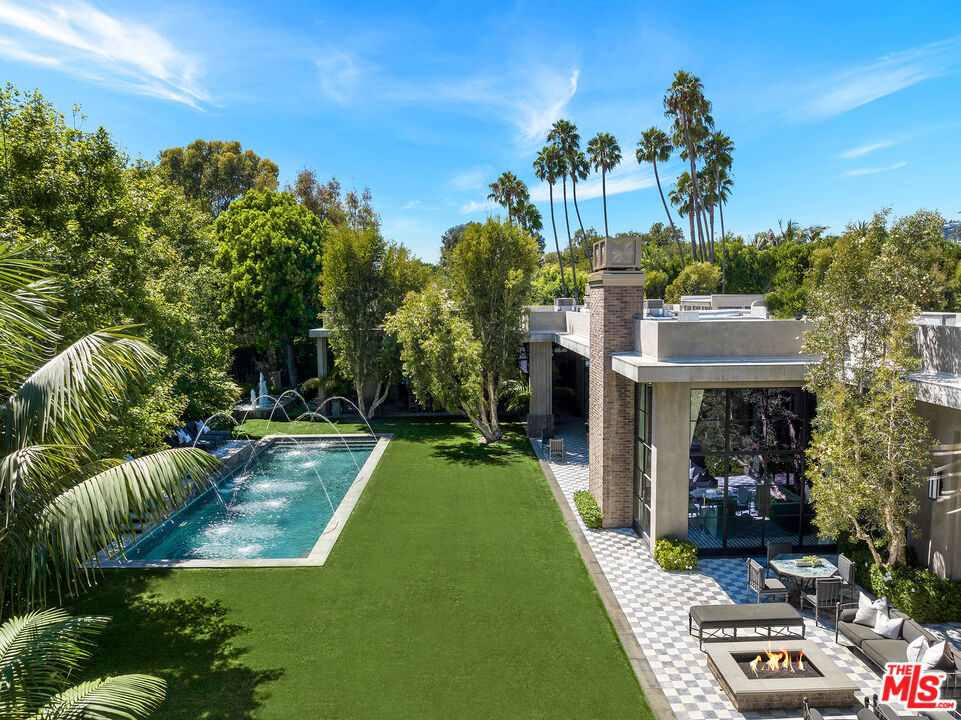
214, 173
549, 165
269, 253
605, 155
129, 249
39, 652
546, 284
61, 503
869, 450
364, 279
698, 278
326, 202
655, 284
449, 240
459, 344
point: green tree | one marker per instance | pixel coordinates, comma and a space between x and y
869, 450
548, 166
698, 278
605, 155
509, 192
654, 147
214, 173
546, 284
365, 279
62, 503
40, 651
269, 253
460, 344
449, 240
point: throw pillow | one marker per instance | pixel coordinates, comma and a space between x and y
867, 612
938, 657
887, 626
916, 649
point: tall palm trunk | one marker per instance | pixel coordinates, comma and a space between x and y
607, 234
570, 244
690, 219
657, 179
697, 192
587, 249
560, 257
711, 234
720, 210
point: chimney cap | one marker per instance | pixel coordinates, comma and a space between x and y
618, 253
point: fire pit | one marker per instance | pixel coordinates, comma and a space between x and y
759, 675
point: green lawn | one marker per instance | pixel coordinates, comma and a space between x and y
455, 590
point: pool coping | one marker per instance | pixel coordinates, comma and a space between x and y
322, 547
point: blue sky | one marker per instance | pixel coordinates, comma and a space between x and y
835, 110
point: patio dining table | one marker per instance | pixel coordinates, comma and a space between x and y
802, 577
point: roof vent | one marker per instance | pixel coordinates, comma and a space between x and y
618, 253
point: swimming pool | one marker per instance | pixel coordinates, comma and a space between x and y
278, 505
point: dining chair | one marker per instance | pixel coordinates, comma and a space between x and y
846, 573
827, 594
777, 548
761, 584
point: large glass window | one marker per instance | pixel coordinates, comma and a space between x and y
643, 458
746, 471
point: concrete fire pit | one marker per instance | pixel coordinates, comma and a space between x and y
831, 688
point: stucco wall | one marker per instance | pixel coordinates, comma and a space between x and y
666, 339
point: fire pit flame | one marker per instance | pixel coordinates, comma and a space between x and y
800, 660
754, 663
777, 662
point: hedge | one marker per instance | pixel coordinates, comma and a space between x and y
673, 554
588, 508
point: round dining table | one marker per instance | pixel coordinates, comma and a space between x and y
802, 577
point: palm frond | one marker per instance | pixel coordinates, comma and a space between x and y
126, 697
37, 652
63, 401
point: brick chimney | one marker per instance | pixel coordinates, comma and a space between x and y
617, 297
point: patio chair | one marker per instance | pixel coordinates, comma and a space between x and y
556, 448
546, 435
827, 594
810, 713
761, 584
846, 573
775, 549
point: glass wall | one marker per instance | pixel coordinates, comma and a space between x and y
643, 397
746, 470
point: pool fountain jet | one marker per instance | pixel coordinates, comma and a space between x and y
263, 400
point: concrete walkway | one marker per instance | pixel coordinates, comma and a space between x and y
655, 603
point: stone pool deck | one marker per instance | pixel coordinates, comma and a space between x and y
655, 604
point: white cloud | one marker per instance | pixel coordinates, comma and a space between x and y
865, 149
472, 206
85, 41
872, 171
470, 179
888, 74
410, 204
623, 179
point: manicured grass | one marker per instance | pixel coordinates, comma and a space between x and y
455, 590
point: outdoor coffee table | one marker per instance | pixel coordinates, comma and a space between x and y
802, 577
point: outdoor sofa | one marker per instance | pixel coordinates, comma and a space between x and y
881, 650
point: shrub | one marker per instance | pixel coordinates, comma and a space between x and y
695, 279
918, 593
673, 554
588, 508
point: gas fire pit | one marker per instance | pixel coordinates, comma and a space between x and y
763, 675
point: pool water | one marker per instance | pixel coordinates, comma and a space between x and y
274, 507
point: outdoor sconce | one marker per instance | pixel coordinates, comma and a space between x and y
934, 486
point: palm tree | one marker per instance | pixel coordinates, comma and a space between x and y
680, 198
718, 150
685, 102
507, 191
39, 651
548, 166
653, 147
564, 134
579, 168
724, 185
528, 216
605, 155
61, 504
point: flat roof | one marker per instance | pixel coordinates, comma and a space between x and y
642, 368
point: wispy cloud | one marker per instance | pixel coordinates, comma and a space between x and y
888, 74
472, 206
84, 41
872, 171
865, 149
626, 178
410, 204
470, 179
530, 97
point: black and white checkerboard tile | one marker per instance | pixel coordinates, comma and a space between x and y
656, 604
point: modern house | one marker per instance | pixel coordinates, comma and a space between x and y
698, 421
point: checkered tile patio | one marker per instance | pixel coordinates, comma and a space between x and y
656, 604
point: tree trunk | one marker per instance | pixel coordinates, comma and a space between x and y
380, 395
680, 248
291, 362
492, 399
588, 250
607, 233
570, 244
560, 257
697, 192
711, 236
720, 212
690, 219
